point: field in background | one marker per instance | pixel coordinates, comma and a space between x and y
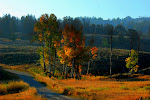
122, 43
22, 52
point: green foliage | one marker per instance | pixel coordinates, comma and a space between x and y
105, 42
47, 33
36, 70
57, 73
46, 56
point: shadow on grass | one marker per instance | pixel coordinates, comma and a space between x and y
6, 76
18, 59
131, 77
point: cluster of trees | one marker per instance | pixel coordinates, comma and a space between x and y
68, 43
65, 40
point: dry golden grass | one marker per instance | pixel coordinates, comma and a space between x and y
29, 94
99, 87
16, 67
13, 87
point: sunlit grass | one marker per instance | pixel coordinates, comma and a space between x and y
13, 87
95, 87
15, 90
29, 94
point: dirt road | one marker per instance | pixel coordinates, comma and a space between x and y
42, 90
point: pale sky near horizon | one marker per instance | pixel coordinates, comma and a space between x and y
76, 8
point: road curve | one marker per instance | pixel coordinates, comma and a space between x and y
41, 90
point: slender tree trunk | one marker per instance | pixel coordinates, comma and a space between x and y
139, 44
88, 67
43, 57
49, 60
66, 71
110, 54
79, 73
73, 65
131, 47
54, 62
63, 68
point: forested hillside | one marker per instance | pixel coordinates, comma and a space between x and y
91, 25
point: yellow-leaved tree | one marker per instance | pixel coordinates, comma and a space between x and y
132, 61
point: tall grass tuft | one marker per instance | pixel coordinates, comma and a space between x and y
13, 87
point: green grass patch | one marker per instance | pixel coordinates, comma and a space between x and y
124, 88
36, 70
98, 89
135, 88
146, 87
70, 88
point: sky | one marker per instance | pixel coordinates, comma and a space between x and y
106, 9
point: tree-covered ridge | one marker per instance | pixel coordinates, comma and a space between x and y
91, 25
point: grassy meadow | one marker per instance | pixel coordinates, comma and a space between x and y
92, 87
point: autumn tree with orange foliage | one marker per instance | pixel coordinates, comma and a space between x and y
73, 51
92, 55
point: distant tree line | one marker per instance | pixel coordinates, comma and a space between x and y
94, 25
91, 25
11, 25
